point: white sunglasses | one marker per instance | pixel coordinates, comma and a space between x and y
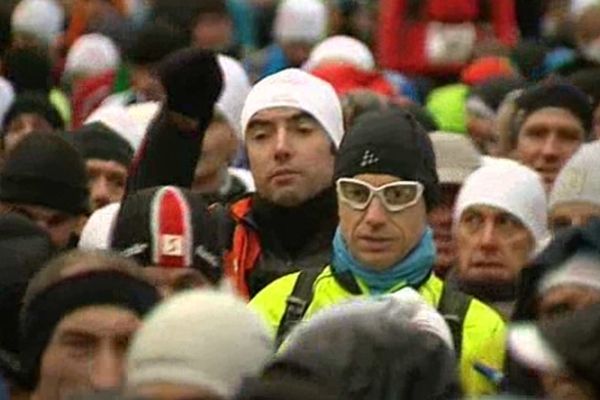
395, 196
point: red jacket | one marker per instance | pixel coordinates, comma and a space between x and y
401, 38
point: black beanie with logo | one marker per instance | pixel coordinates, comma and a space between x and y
45, 170
391, 142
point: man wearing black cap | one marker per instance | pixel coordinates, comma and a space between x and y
78, 315
44, 179
107, 157
386, 181
551, 122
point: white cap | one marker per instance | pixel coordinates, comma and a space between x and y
300, 20
579, 270
7, 97
341, 49
579, 180
236, 87
201, 338
511, 187
92, 54
42, 18
119, 120
298, 89
96, 233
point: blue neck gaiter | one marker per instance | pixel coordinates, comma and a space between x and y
411, 271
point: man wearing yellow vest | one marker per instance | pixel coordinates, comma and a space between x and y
386, 182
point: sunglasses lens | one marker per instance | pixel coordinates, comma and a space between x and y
354, 193
400, 195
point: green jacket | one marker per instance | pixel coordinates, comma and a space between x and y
483, 333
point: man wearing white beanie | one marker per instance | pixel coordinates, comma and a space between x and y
298, 26
500, 221
292, 124
215, 343
575, 197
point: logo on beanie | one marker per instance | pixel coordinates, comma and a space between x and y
368, 158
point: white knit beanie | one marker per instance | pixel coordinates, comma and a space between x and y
579, 180
96, 233
235, 90
511, 187
341, 49
42, 18
201, 338
300, 20
92, 54
298, 89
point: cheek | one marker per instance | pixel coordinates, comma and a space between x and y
518, 251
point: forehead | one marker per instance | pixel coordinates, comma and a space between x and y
107, 166
104, 320
487, 211
552, 115
276, 114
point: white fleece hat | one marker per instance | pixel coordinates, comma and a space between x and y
300, 20
96, 233
42, 18
203, 338
119, 120
455, 157
298, 89
579, 180
511, 187
235, 90
341, 49
92, 54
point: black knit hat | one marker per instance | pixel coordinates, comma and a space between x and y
45, 170
98, 141
554, 94
24, 248
169, 227
33, 103
389, 142
29, 69
588, 81
154, 42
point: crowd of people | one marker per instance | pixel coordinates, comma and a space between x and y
294, 199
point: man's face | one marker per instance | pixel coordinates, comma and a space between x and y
573, 213
493, 246
60, 226
146, 84
377, 237
106, 180
547, 140
440, 219
169, 281
564, 299
86, 353
290, 155
213, 32
22, 126
218, 149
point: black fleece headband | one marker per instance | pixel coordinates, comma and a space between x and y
46, 310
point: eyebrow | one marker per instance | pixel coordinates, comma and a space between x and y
296, 117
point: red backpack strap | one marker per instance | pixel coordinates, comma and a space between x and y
245, 247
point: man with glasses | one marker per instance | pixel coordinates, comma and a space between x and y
500, 221
386, 182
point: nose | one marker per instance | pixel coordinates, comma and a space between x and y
107, 372
100, 192
488, 238
283, 150
550, 147
375, 214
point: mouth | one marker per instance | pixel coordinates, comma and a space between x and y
487, 265
283, 175
373, 243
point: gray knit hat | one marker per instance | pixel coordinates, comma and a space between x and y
579, 180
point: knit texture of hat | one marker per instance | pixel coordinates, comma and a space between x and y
45, 170
98, 141
555, 95
297, 89
31, 103
579, 180
511, 187
389, 142
214, 342
456, 157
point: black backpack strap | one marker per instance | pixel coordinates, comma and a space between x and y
297, 302
453, 306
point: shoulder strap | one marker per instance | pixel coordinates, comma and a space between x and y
453, 306
297, 302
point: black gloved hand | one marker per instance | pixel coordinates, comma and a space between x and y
192, 80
